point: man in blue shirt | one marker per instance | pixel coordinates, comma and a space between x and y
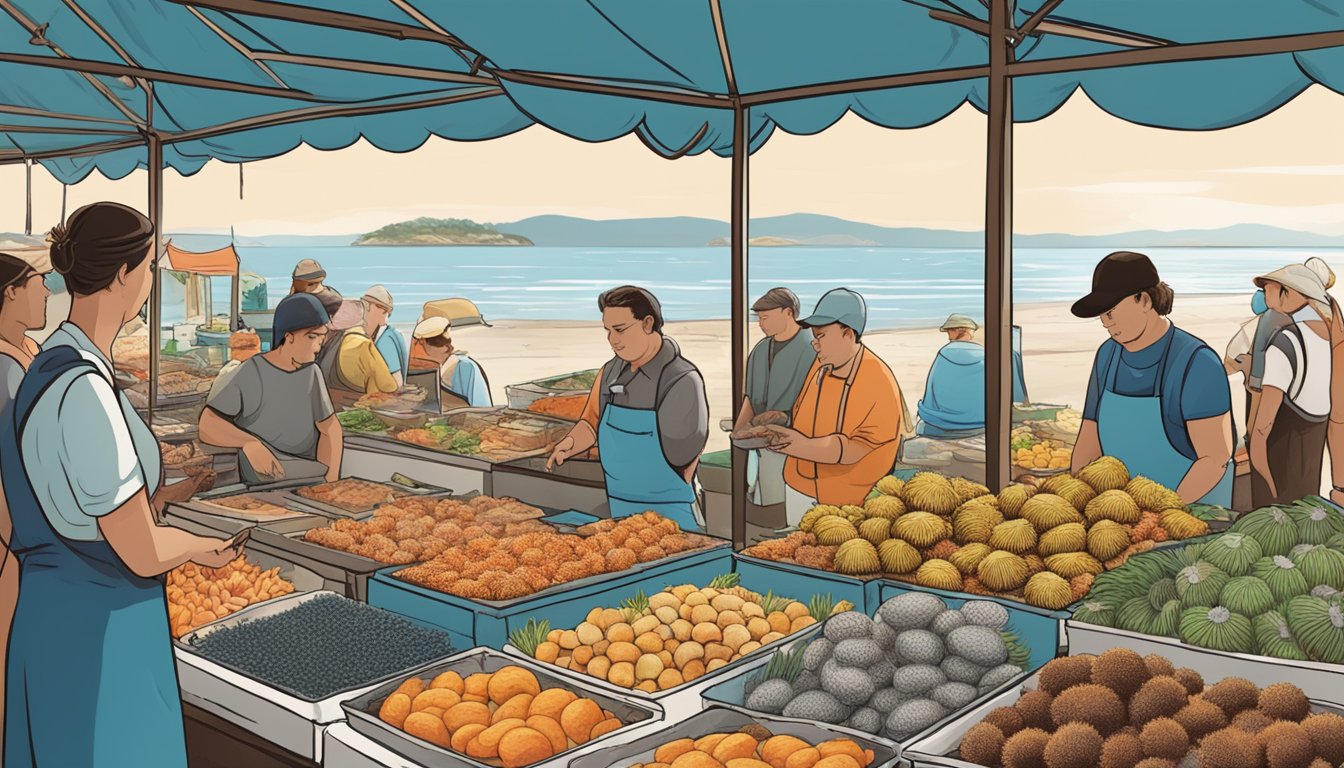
462, 382
953, 405
386, 339
1158, 398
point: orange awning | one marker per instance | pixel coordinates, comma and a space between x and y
221, 262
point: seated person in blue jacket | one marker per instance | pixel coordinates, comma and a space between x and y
462, 381
954, 395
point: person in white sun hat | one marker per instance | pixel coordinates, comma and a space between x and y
1288, 437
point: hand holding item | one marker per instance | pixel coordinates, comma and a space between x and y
263, 461
771, 418
783, 438
564, 450
220, 553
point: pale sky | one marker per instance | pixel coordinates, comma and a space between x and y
1079, 170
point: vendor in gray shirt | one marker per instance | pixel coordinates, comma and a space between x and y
776, 371
275, 409
647, 414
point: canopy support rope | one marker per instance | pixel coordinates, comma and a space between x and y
64, 189
28, 197
240, 188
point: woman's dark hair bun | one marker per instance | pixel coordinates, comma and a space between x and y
97, 242
62, 255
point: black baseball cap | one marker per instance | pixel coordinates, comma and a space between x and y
1118, 276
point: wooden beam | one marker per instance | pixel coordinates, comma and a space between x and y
14, 109
740, 221
302, 14
860, 85
237, 45
588, 85
464, 52
88, 67
1222, 49
84, 151
375, 68
69, 130
999, 251
677, 154
1047, 8
1051, 27
721, 34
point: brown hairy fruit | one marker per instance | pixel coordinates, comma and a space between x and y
1201, 717
1230, 748
1159, 697
1076, 745
1006, 719
1164, 737
1192, 680
982, 744
1252, 721
1122, 670
1287, 745
1025, 749
1064, 673
1284, 701
1034, 707
1096, 705
1327, 736
1233, 694
1121, 750
1158, 665
1155, 762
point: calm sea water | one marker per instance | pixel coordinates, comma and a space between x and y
904, 287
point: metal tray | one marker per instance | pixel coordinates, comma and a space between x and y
362, 710
202, 520
304, 581
333, 510
204, 505
283, 719
717, 719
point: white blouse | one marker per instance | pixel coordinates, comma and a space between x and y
85, 449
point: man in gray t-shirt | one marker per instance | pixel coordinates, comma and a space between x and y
275, 408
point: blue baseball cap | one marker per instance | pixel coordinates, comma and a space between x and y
296, 312
841, 306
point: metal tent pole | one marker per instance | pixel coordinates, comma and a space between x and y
156, 292
739, 330
999, 249
28, 197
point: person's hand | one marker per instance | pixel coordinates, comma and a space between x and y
217, 553
564, 450
783, 438
263, 461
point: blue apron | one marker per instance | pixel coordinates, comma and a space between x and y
91, 676
1132, 430
639, 479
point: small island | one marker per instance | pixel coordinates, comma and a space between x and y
427, 231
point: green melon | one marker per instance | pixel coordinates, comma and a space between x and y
1234, 553
1282, 577
1318, 626
1217, 628
1274, 638
1246, 595
1199, 584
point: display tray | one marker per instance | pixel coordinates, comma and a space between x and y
939, 748
719, 719
479, 419
791, 578
289, 721
362, 710
303, 579
292, 542
394, 490
281, 507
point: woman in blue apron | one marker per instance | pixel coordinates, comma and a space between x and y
1158, 398
91, 679
647, 413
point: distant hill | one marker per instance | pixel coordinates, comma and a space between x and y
427, 231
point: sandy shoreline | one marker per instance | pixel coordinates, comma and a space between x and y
1057, 350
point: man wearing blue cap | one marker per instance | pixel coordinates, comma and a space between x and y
848, 422
275, 410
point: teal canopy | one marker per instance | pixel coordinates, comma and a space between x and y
243, 80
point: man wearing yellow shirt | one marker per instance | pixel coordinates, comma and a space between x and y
849, 419
359, 366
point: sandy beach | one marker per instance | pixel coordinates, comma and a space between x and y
1057, 350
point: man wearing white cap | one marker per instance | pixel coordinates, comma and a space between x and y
386, 339
1293, 419
462, 382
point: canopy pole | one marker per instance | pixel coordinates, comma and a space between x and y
64, 189
154, 144
999, 249
240, 181
28, 197
739, 332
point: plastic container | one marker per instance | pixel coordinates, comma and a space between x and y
717, 719
522, 395
362, 710
490, 622
794, 579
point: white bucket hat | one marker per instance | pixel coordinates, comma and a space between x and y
1305, 280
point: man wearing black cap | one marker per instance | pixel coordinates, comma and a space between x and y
1158, 398
275, 409
776, 371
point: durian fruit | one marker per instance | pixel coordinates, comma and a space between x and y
1200, 584
968, 557
1318, 626
939, 574
1136, 615
833, 531
1272, 529
1167, 621
1162, 592
1034, 563
1282, 577
973, 522
1217, 628
1117, 506
888, 507
857, 556
1069, 537
1046, 510
892, 486
1097, 612
1274, 638
1246, 595
967, 489
1105, 474
1046, 590
875, 530
931, 492
1180, 524
898, 556
811, 516
1016, 536
1073, 564
1053, 483
987, 498
1076, 492
1321, 565
854, 514
1233, 553
921, 529
1012, 498
1151, 496
1106, 539
1002, 571
1316, 523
